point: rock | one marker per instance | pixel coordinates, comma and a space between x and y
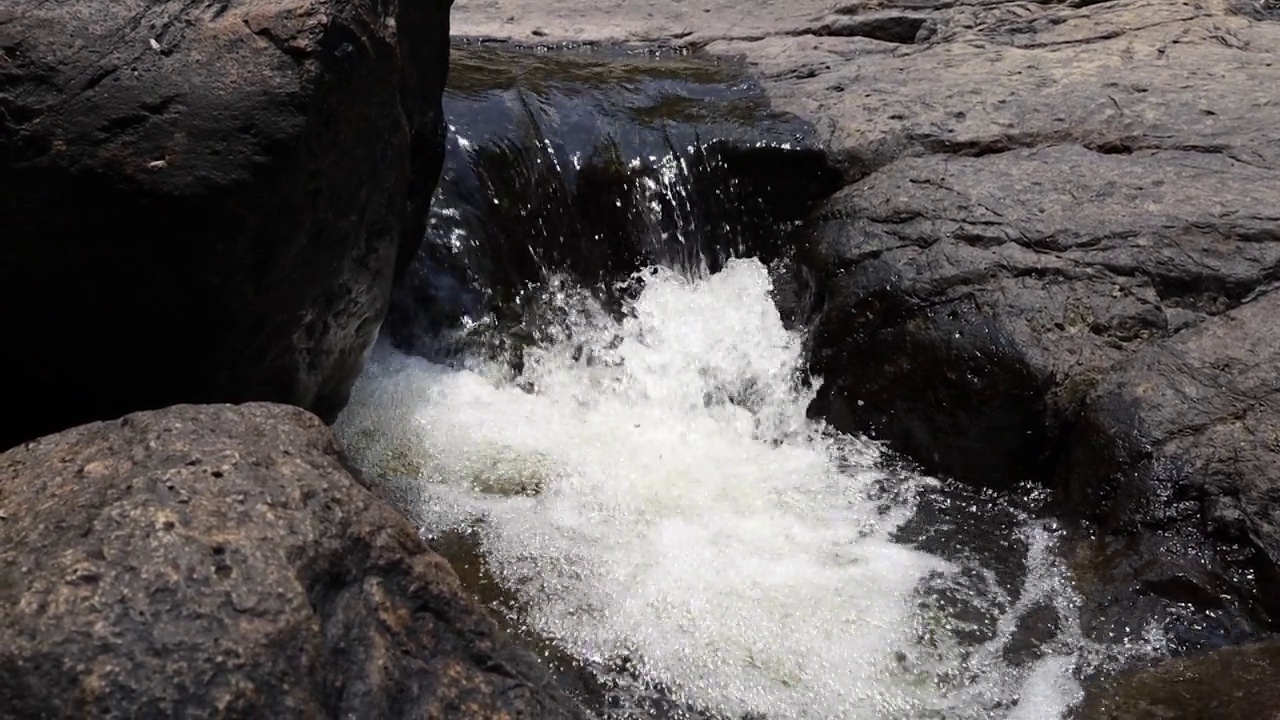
975, 302
1238, 683
220, 560
1194, 593
1079, 277
205, 201
1036, 628
981, 78
688, 23
1183, 440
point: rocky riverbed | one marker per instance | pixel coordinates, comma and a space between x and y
1050, 260
1054, 259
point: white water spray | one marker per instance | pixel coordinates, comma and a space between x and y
651, 490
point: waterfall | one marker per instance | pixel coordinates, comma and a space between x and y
613, 414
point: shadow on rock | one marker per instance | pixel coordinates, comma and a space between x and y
206, 202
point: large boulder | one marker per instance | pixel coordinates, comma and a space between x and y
973, 302
1055, 262
220, 561
1073, 285
206, 200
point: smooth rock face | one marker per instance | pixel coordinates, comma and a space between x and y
220, 561
205, 200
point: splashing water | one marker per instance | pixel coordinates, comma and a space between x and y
651, 493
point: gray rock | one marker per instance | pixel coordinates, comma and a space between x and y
1183, 440
986, 77
974, 303
220, 561
687, 23
1057, 263
206, 200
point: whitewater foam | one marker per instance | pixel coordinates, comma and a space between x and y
651, 491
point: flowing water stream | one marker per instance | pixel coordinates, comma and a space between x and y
620, 437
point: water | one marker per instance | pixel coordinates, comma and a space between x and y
629, 455
597, 165
651, 493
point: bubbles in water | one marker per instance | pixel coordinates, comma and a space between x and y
652, 494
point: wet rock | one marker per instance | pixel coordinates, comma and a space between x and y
1055, 264
1101, 322
606, 162
206, 201
1037, 627
1238, 683
1194, 593
1185, 437
973, 303
221, 560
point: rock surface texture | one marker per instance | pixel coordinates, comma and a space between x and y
220, 561
1236, 683
1057, 262
1055, 258
205, 200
